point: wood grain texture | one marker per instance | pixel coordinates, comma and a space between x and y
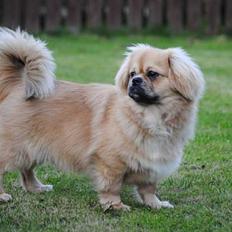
193, 14
12, 13
175, 15
155, 13
74, 15
213, 14
135, 9
32, 10
228, 16
94, 14
53, 16
114, 14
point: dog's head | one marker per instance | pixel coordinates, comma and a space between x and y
149, 74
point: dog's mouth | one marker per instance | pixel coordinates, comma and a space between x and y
139, 95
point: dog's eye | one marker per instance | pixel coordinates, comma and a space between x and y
132, 74
152, 75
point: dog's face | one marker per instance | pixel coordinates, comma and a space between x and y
147, 78
148, 75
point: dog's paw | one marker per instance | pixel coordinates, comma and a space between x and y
115, 206
46, 188
155, 203
39, 188
160, 204
43, 188
121, 206
166, 204
4, 197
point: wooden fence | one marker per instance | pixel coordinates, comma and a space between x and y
207, 16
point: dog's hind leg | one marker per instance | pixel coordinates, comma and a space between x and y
31, 183
147, 196
4, 197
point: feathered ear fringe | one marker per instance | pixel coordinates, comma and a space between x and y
184, 75
121, 78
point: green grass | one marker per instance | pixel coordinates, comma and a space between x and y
202, 188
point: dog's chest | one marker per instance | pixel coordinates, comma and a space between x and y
160, 163
157, 149
160, 168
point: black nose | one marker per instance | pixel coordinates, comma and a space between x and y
137, 80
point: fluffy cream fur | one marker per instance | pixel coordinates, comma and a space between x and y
97, 129
19, 49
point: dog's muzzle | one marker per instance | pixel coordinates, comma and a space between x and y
139, 93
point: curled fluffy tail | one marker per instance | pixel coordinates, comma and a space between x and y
25, 61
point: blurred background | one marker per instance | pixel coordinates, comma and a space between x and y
208, 17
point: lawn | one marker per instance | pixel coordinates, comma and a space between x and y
202, 188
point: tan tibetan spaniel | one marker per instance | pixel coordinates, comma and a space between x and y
133, 132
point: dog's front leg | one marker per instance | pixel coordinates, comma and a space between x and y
108, 181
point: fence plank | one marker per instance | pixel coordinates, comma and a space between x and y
155, 16
194, 15
114, 14
53, 15
74, 15
93, 13
175, 15
1, 10
135, 14
31, 12
228, 16
26, 13
213, 12
11, 13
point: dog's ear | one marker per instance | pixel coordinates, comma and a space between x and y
184, 75
122, 78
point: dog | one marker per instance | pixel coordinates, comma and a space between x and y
133, 132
